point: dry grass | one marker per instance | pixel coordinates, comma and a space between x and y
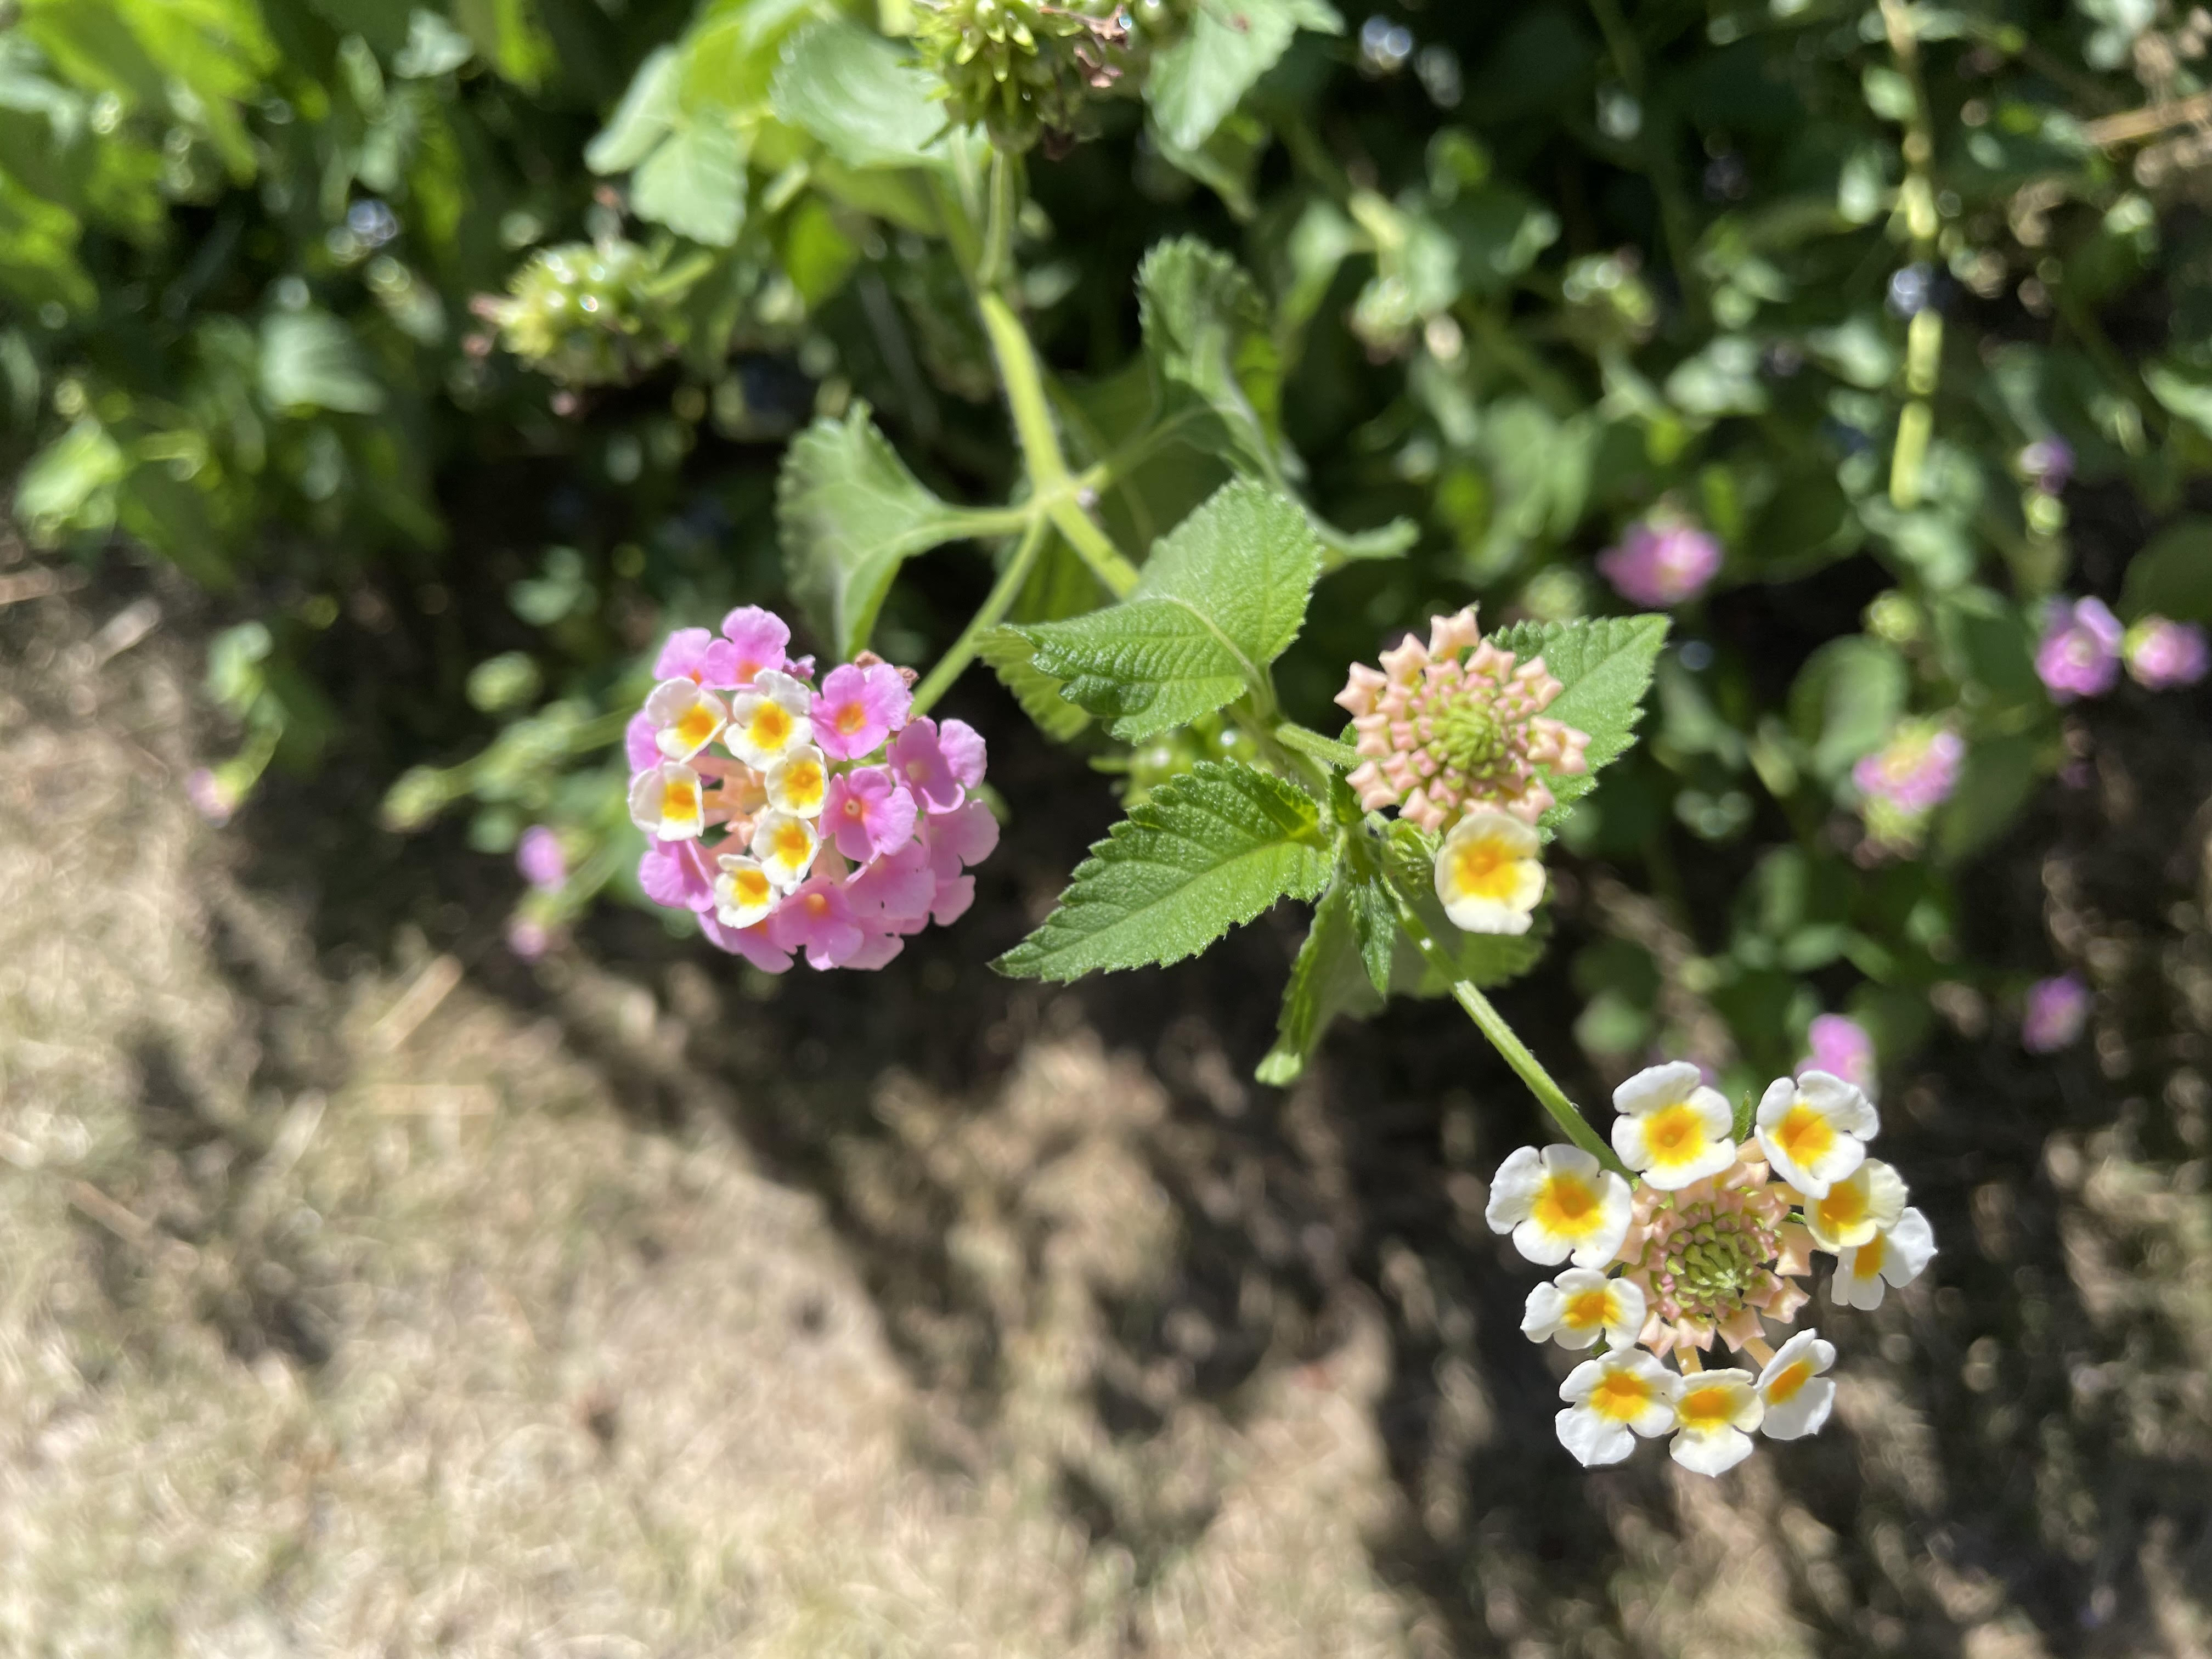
356, 1310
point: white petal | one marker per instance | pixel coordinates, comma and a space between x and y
1710, 1454
1495, 916
1541, 1245
1545, 1316
1849, 1287
1513, 1189
1594, 1440
1909, 1248
1884, 1193
1656, 1086
1845, 1104
1628, 1309
1803, 1414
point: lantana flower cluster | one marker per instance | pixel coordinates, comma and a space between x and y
2084, 647
1903, 782
1454, 737
1713, 1241
790, 817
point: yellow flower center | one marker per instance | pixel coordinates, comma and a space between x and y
1868, 1262
1844, 1208
1587, 1308
1485, 868
695, 726
771, 725
851, 718
1790, 1378
817, 903
679, 802
1675, 1133
1621, 1396
802, 784
1804, 1135
1709, 1407
1567, 1205
792, 844
751, 887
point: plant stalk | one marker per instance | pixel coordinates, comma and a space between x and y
995, 605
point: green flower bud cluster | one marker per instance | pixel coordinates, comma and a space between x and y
1170, 757
1024, 70
585, 313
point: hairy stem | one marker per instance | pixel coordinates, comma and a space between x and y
1491, 1024
962, 650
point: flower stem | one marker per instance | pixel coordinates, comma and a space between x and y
1491, 1024
962, 650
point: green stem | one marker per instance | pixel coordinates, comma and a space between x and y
1491, 1024
995, 605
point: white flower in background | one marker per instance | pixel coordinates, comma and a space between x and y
770, 721
1581, 1305
1672, 1129
685, 719
1814, 1129
665, 801
1852, 1211
1559, 1203
1490, 874
1613, 1399
1894, 1255
1715, 1412
1798, 1397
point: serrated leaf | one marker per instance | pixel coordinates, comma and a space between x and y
1196, 82
1217, 374
1327, 980
858, 94
1605, 665
1013, 659
694, 182
1221, 597
309, 361
1207, 852
646, 113
849, 513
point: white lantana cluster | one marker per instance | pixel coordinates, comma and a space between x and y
1710, 1240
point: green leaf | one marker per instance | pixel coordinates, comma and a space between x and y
1845, 700
433, 46
1341, 547
647, 113
1327, 979
1216, 372
1207, 852
1605, 665
1221, 599
1329, 751
1196, 82
70, 483
309, 361
695, 182
858, 94
849, 514
2172, 577
1013, 659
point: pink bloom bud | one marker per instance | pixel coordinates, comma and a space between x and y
752, 644
2057, 1010
641, 739
683, 656
678, 875
528, 940
2164, 654
209, 798
752, 943
538, 856
1660, 564
816, 918
937, 765
2080, 655
858, 707
1841, 1047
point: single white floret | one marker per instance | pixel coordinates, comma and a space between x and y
1583, 1304
1489, 873
1611, 1400
1672, 1129
1560, 1202
1813, 1130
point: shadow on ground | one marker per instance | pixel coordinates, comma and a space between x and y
927, 1312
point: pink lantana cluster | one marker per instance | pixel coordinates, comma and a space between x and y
789, 817
1455, 725
1904, 781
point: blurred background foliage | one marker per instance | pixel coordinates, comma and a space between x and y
490, 322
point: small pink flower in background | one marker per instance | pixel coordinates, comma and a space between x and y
859, 706
209, 798
2047, 464
2164, 654
540, 859
1457, 725
1661, 562
2057, 1010
1915, 770
528, 940
890, 851
1839, 1046
868, 814
2080, 655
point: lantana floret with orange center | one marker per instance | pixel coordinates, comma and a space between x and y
1559, 1203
